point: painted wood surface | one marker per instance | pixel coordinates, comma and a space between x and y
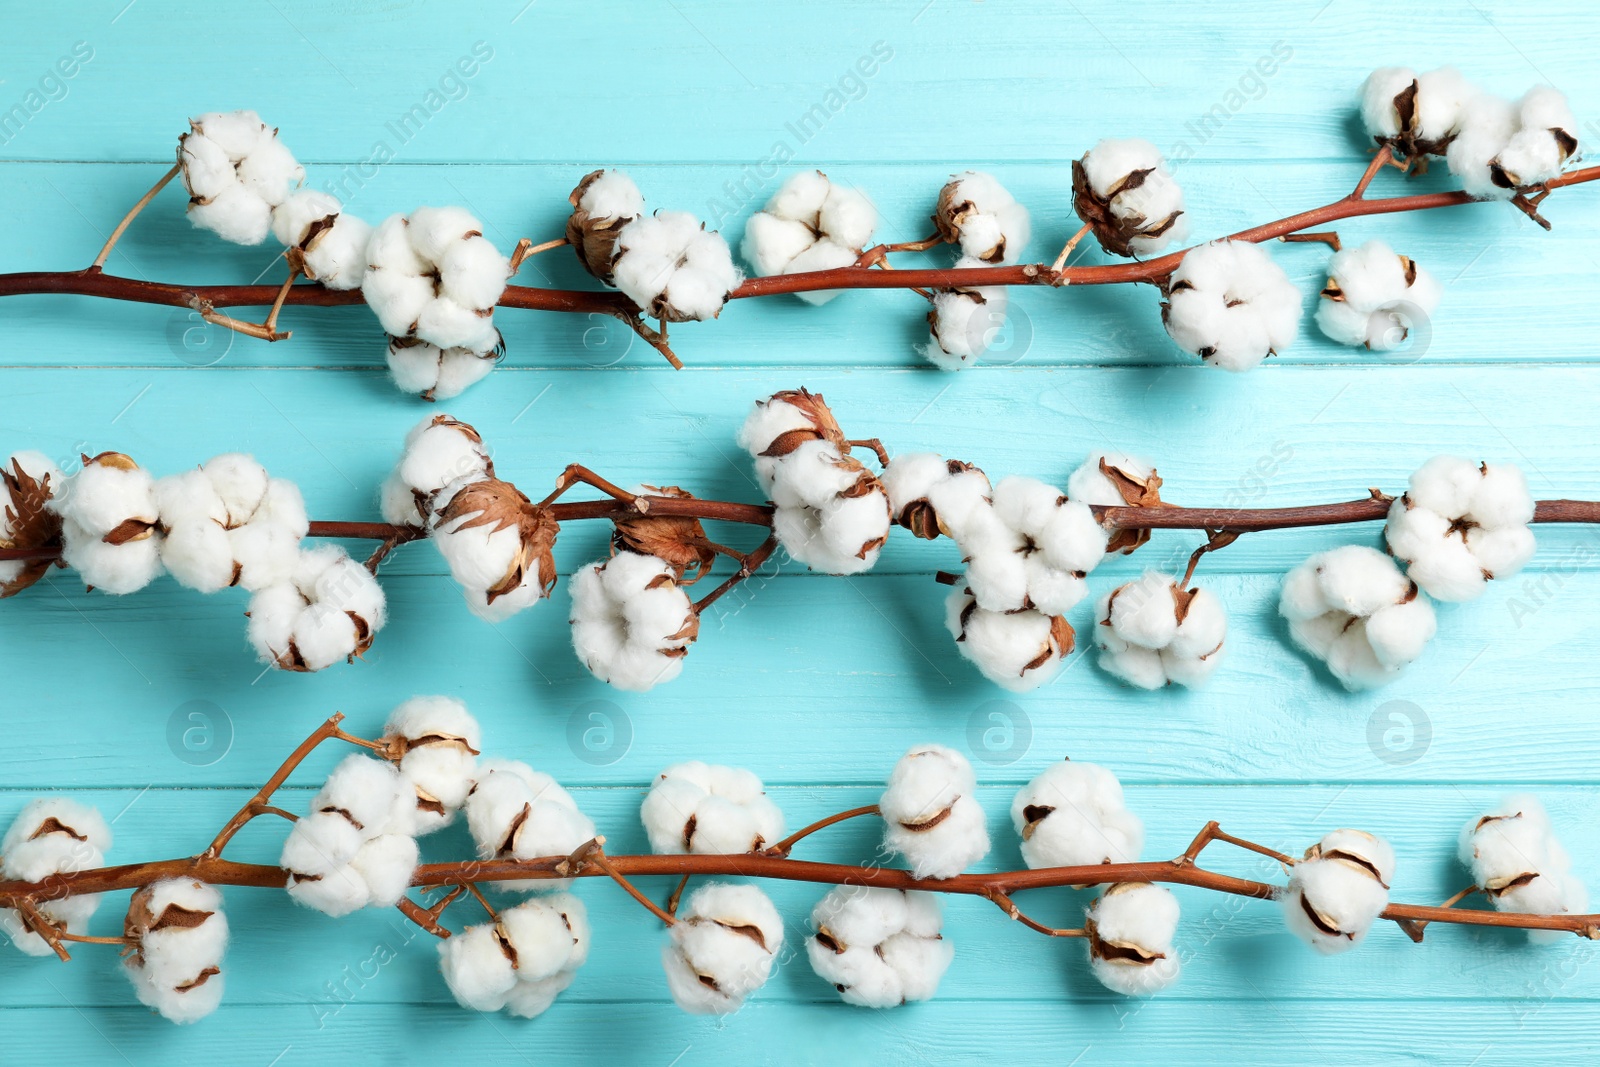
816, 683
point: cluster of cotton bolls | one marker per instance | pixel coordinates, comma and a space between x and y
1517, 860
1338, 890
433, 280
226, 523
1028, 548
1074, 815
632, 623
990, 228
1374, 297
832, 513
1230, 304
1151, 633
1460, 525
1351, 608
497, 543
1497, 147
1124, 190
811, 223
52, 835
177, 935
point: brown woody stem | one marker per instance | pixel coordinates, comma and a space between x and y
94, 282
784, 847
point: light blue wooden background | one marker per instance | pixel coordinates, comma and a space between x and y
816, 683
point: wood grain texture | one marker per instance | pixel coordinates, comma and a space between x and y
816, 683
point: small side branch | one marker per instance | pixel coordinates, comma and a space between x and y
257, 804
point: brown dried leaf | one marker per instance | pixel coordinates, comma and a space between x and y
816, 410
681, 542
32, 524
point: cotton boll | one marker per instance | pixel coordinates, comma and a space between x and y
434, 277
1515, 856
673, 269
707, 809
330, 608
236, 171
878, 947
498, 544
1151, 633
1487, 125
809, 224
228, 524
109, 524
722, 948
515, 812
964, 322
438, 741
1073, 815
178, 936
1130, 930
1544, 141
1124, 190
976, 212
1460, 525
632, 624
1019, 650
548, 935
477, 968
1337, 891
1353, 609
1231, 305
931, 815
438, 450
1374, 297
52, 835
327, 245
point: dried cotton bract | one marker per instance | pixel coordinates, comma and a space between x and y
354, 849
832, 513
1516, 858
516, 812
1116, 479
434, 277
705, 809
809, 224
1338, 890
722, 948
329, 609
109, 524
1352, 608
673, 268
228, 523
52, 835
1129, 929
1073, 815
27, 482
177, 935
1152, 633
237, 172
521, 962
632, 623
1231, 305
602, 204
1460, 525
879, 947
1124, 190
931, 813
978, 214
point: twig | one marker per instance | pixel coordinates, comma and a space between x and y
598, 858
116, 234
677, 895
751, 563
526, 249
1066, 249
258, 803
1009, 906
784, 847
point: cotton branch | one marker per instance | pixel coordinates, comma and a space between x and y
92, 281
